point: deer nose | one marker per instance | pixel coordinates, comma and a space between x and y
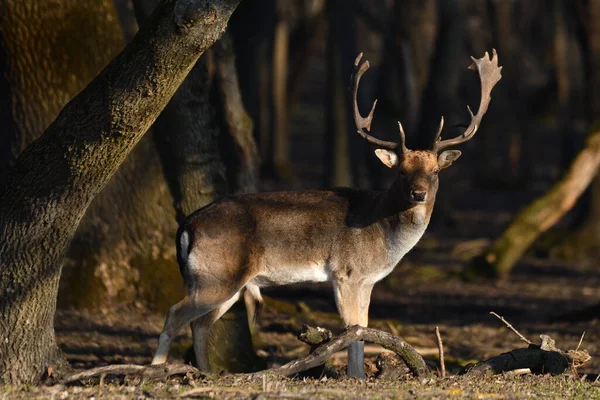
418, 195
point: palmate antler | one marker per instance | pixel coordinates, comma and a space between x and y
363, 125
489, 74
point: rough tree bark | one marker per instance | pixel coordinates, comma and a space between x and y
126, 233
45, 61
55, 178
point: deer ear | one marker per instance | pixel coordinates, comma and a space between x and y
447, 158
387, 157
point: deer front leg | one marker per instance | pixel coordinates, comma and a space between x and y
352, 300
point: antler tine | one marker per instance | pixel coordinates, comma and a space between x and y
489, 75
402, 138
439, 131
363, 124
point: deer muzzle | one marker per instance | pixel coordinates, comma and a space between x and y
418, 196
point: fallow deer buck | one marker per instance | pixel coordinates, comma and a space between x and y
352, 238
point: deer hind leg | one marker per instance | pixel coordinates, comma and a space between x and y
254, 303
352, 300
180, 314
201, 331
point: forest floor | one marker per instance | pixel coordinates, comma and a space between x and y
423, 292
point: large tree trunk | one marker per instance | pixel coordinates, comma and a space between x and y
46, 58
123, 247
55, 178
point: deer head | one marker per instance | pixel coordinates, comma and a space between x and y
418, 169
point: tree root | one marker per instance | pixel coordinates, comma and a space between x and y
162, 371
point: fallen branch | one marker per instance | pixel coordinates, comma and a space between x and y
162, 371
372, 350
318, 356
321, 354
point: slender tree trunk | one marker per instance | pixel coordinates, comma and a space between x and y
55, 178
441, 85
281, 120
127, 18
252, 29
341, 162
189, 136
243, 162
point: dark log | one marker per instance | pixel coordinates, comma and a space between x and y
540, 359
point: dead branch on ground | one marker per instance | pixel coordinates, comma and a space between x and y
320, 355
162, 371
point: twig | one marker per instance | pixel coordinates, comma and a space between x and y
512, 328
216, 389
573, 366
147, 371
580, 341
441, 351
